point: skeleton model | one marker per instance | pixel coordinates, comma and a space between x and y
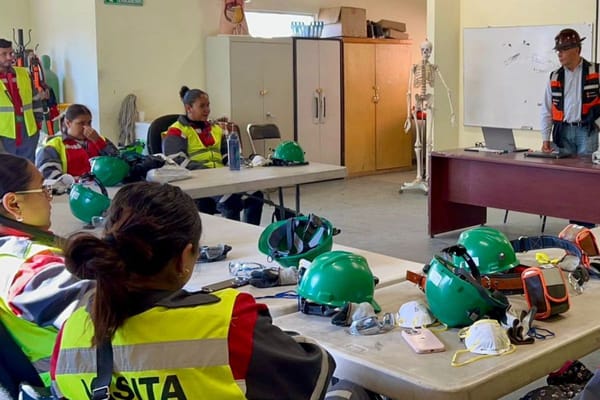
422, 77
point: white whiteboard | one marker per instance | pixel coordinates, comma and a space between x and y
506, 70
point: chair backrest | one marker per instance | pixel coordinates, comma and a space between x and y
155, 130
262, 132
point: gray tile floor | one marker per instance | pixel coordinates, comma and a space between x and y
372, 215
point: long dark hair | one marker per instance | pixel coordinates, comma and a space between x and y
148, 225
72, 112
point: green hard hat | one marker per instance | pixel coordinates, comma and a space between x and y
109, 170
455, 296
490, 249
338, 277
86, 203
288, 152
293, 239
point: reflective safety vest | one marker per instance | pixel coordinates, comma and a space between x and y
162, 353
590, 98
36, 342
210, 156
7, 112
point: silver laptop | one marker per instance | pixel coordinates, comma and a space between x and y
501, 140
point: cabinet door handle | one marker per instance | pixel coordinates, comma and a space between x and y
263, 92
316, 107
376, 94
323, 110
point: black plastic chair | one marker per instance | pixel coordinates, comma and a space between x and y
155, 130
262, 132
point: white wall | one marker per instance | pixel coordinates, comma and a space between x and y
477, 13
67, 33
15, 14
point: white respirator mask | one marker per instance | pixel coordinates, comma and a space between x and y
414, 314
485, 337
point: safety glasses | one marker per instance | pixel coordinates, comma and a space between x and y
46, 189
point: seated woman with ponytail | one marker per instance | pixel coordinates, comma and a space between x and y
159, 340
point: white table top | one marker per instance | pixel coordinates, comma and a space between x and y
216, 181
385, 364
243, 238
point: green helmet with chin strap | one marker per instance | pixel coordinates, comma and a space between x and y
288, 152
86, 203
293, 239
109, 170
455, 295
338, 277
489, 248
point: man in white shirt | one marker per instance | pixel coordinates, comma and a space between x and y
571, 107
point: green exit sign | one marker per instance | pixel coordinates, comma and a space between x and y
125, 2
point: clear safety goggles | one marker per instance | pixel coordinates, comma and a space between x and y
372, 325
244, 269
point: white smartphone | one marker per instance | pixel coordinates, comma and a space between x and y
422, 340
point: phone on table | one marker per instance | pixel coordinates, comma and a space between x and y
234, 282
422, 340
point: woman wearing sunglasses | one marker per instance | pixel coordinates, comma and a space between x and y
37, 293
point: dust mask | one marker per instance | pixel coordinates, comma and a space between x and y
485, 337
414, 314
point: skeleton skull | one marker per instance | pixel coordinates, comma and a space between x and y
426, 48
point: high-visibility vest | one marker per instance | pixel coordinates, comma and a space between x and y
164, 352
210, 156
590, 98
36, 342
7, 111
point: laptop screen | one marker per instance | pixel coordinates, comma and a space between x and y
499, 139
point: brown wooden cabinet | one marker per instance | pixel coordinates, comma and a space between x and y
376, 74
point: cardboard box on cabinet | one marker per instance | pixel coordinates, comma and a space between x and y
343, 21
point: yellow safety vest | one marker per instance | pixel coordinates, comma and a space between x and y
36, 342
174, 353
57, 143
7, 111
210, 156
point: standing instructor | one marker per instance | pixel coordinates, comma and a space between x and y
571, 107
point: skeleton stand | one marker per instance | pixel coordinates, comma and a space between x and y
422, 76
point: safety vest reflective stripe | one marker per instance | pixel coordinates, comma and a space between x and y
197, 152
148, 356
7, 115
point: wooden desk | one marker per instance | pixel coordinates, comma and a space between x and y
243, 238
385, 364
463, 184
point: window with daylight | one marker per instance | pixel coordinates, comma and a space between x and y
273, 24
